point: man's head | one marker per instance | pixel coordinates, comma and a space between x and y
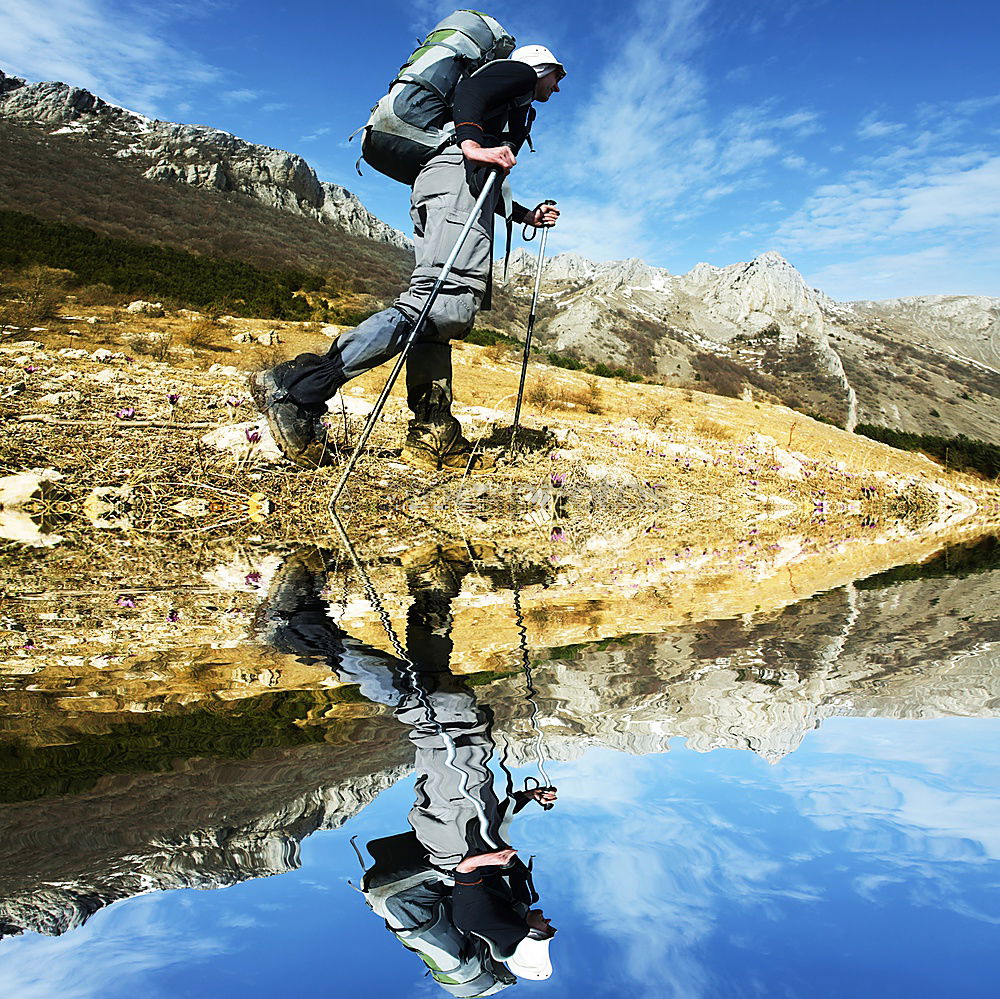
535, 919
531, 958
547, 67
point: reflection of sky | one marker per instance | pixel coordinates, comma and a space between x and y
866, 863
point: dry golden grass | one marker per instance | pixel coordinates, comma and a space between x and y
711, 429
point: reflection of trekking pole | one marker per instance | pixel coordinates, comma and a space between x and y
418, 691
531, 326
530, 697
418, 327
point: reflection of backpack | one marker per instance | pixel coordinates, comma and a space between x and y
413, 121
414, 899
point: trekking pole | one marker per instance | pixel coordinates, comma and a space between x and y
411, 339
530, 698
527, 336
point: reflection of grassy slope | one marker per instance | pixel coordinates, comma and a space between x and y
153, 744
955, 562
61, 179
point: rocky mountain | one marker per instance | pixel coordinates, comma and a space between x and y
191, 154
928, 365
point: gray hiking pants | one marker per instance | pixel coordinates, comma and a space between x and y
439, 206
456, 811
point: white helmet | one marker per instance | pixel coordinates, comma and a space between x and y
539, 58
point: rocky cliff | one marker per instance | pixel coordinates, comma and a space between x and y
191, 154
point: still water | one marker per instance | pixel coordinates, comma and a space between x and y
802, 801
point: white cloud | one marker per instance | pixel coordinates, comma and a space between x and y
874, 206
118, 52
890, 275
133, 940
318, 134
800, 122
952, 197
872, 128
241, 96
649, 152
600, 232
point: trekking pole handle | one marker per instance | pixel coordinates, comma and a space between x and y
529, 236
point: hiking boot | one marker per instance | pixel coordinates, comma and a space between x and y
297, 429
434, 438
438, 446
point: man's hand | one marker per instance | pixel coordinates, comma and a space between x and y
499, 858
501, 157
545, 796
544, 216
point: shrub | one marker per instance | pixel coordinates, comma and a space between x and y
961, 453
565, 361
709, 428
539, 394
153, 344
201, 334
488, 338
33, 295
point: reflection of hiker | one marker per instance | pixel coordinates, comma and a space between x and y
489, 108
452, 889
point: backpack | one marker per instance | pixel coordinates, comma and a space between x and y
413, 121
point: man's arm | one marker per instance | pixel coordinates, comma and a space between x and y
485, 94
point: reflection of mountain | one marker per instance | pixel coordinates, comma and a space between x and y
909, 648
212, 823
918, 649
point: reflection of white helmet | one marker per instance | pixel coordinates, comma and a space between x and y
531, 956
539, 58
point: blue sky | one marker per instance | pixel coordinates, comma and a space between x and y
859, 139
864, 863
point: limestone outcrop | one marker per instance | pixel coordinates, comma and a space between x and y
192, 154
929, 364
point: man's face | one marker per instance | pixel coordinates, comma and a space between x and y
547, 85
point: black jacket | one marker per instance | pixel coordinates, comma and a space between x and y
493, 106
491, 902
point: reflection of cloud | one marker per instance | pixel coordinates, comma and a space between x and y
936, 811
131, 941
654, 878
665, 853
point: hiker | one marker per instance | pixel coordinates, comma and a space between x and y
492, 115
452, 889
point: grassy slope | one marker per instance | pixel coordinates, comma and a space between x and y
64, 179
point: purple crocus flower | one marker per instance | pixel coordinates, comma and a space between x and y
557, 479
173, 616
252, 578
557, 534
173, 398
126, 413
234, 401
125, 602
252, 435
